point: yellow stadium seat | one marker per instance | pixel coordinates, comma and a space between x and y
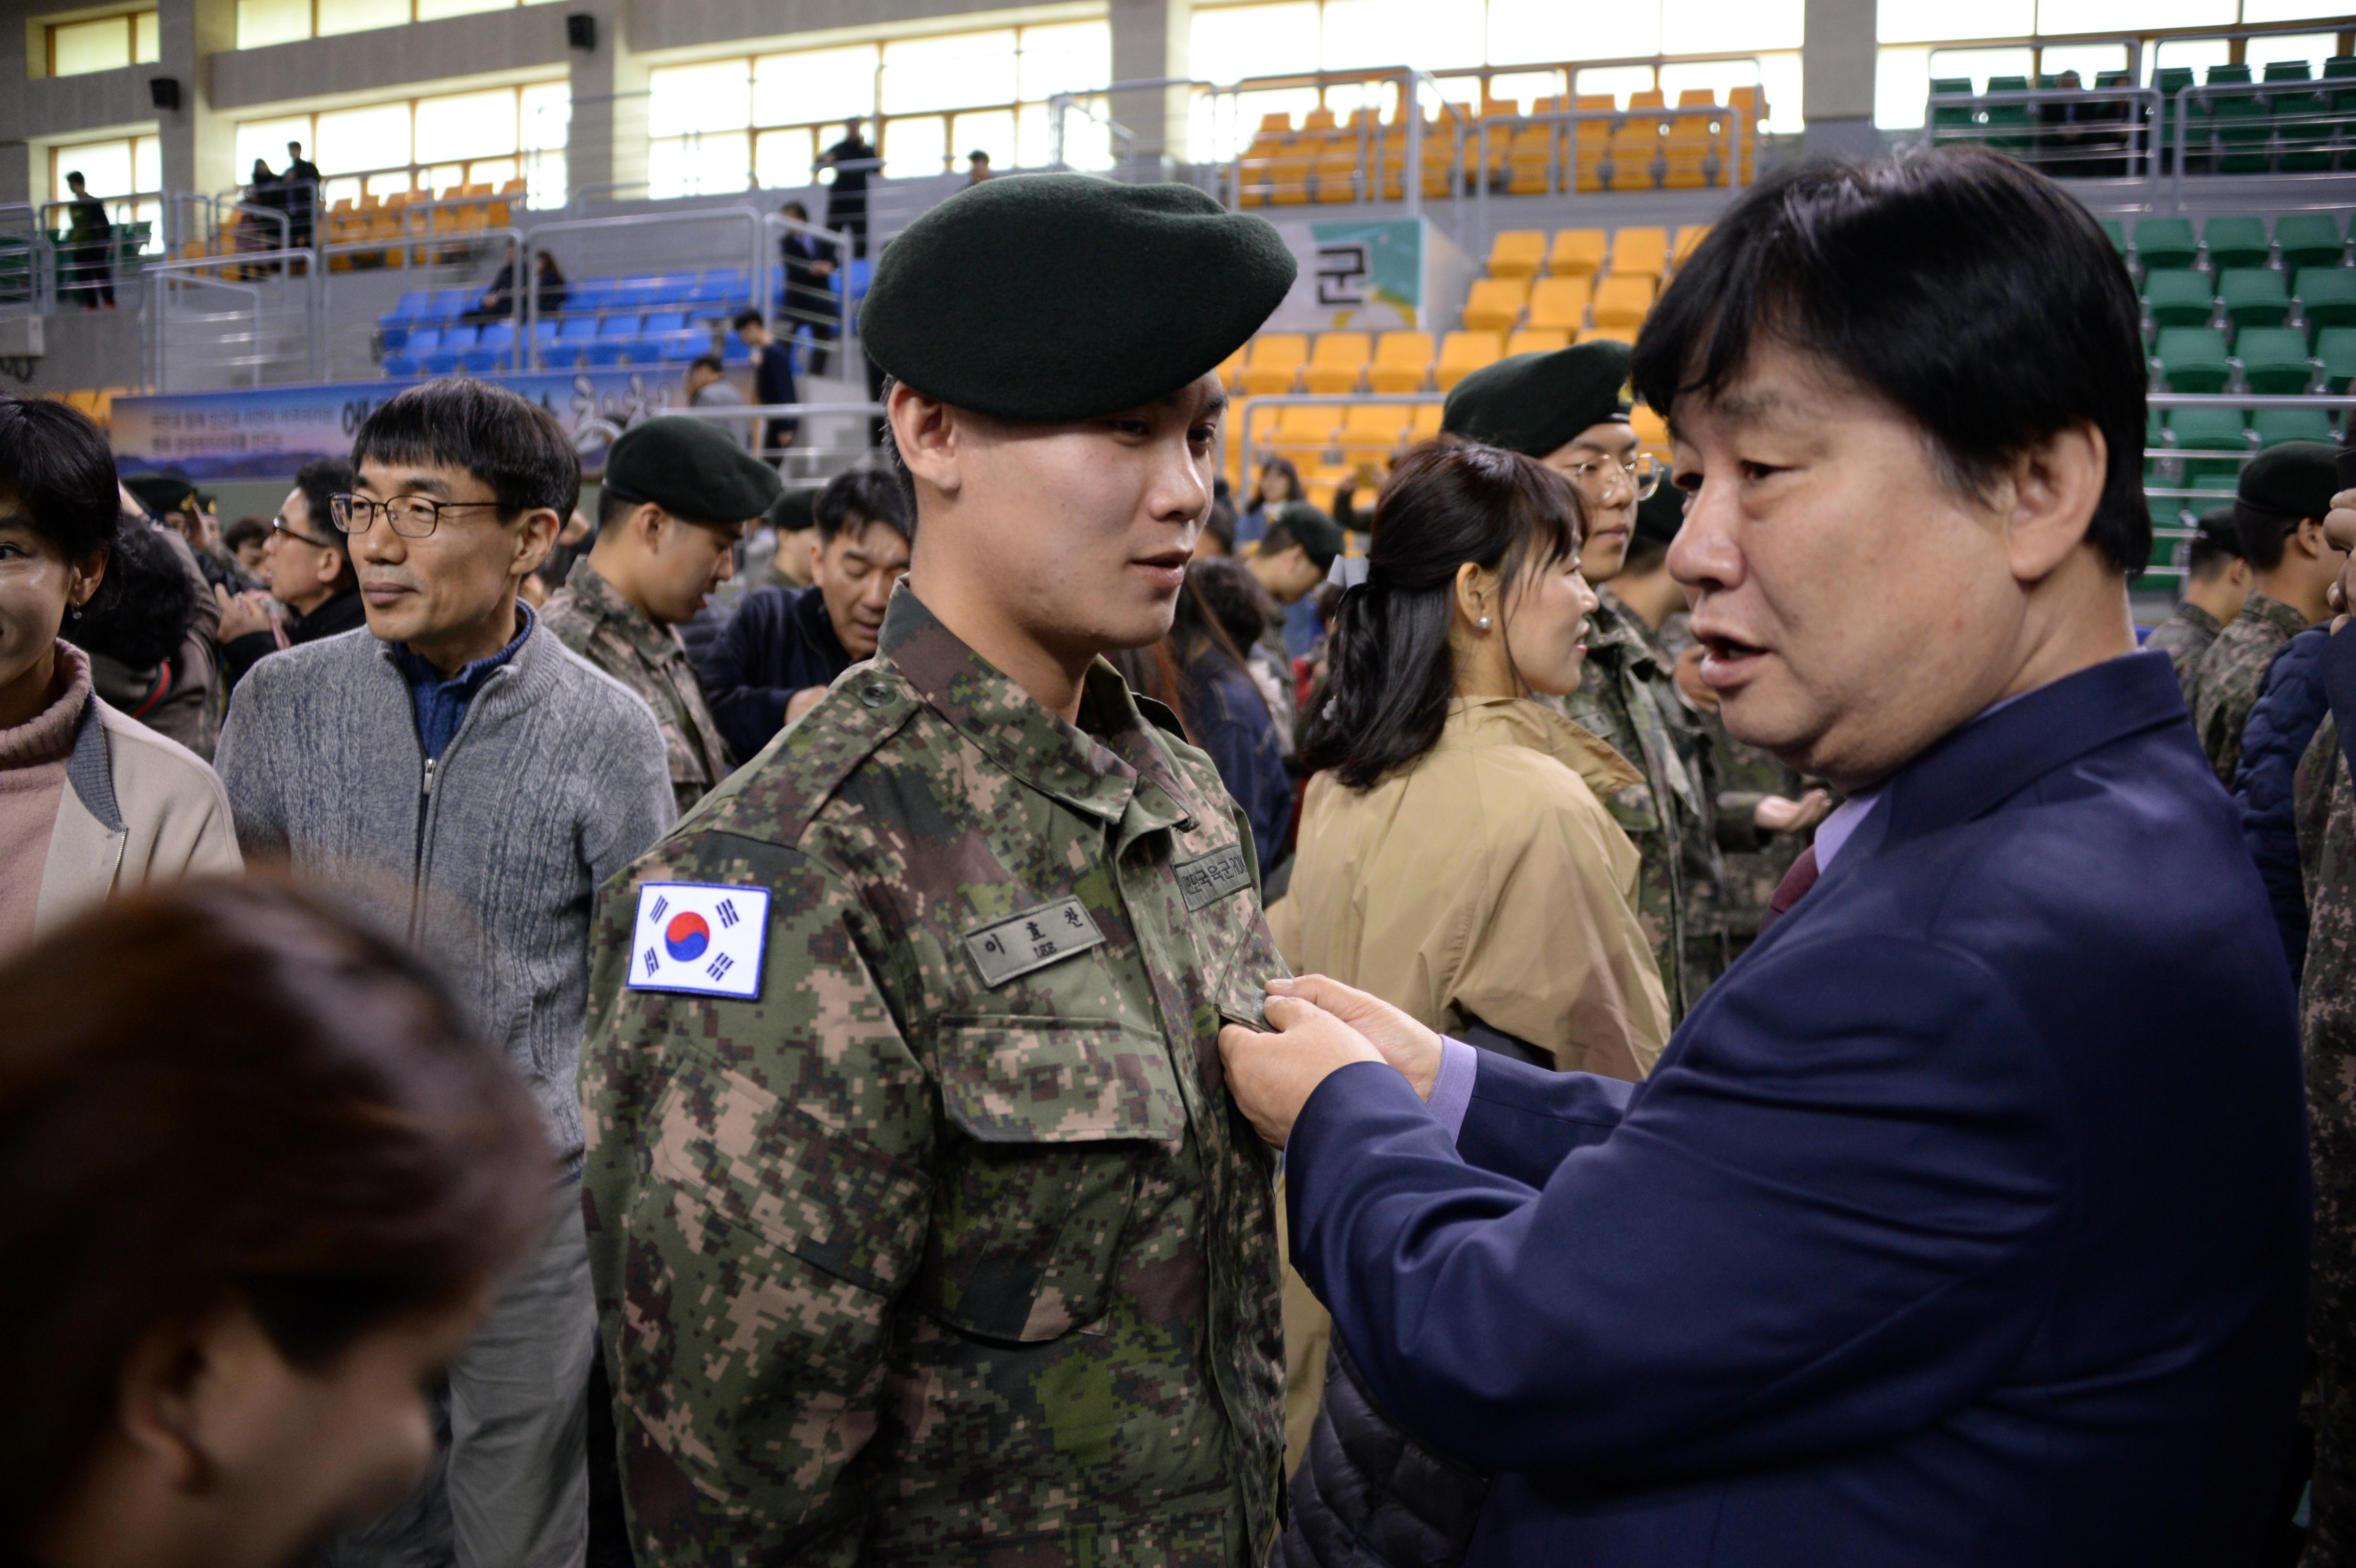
1274, 363
1652, 429
1650, 98
1318, 119
1496, 303
1373, 427
1537, 340
1516, 253
1560, 302
1320, 488
1501, 108
1529, 160
1633, 149
515, 187
1697, 98
84, 402
1276, 124
1462, 353
1576, 253
1337, 178
1640, 252
1747, 98
1338, 361
1305, 427
1608, 335
1288, 180
1690, 236
1624, 301
1685, 155
1402, 362
1229, 366
1426, 424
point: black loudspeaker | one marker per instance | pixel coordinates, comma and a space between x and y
581, 32
165, 91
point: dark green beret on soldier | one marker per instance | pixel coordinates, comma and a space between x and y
692, 469
1535, 403
1313, 530
2295, 479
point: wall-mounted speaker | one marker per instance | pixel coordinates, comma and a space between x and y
581, 32
165, 91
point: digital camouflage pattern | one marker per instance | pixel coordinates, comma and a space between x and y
1628, 695
2225, 682
593, 620
899, 1265
2327, 1005
2184, 637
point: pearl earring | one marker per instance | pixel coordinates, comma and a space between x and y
1484, 623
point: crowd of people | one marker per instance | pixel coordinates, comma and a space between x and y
758, 1023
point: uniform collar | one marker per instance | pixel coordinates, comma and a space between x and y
1096, 770
1477, 721
2272, 613
1614, 626
2192, 615
602, 600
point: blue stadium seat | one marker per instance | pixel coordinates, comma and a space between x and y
400, 364
573, 340
734, 350
643, 351
449, 304
859, 272
660, 322
674, 288
589, 296
423, 338
615, 336
637, 294
723, 286
677, 347
493, 350
455, 342
396, 323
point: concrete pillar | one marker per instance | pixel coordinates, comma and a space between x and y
606, 145
1150, 41
199, 140
1836, 61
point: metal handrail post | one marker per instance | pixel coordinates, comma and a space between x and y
1411, 109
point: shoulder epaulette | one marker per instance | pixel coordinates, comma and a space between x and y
776, 793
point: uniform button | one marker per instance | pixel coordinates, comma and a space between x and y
876, 696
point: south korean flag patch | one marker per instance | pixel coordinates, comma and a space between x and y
700, 940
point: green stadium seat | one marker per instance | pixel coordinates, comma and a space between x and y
2327, 295
2236, 242
2336, 346
2192, 359
2008, 84
2288, 70
2215, 430
2178, 297
2113, 231
2275, 426
2303, 127
2254, 297
2310, 238
2165, 243
2227, 76
2274, 359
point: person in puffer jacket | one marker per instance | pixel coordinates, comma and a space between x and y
2291, 705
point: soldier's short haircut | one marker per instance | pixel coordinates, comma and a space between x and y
2265, 535
504, 440
860, 496
1977, 297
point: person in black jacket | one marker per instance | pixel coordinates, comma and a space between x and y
773, 376
776, 658
300, 181
309, 566
810, 288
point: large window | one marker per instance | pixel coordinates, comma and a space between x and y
722, 124
1463, 43
486, 137
98, 43
125, 172
1922, 39
262, 22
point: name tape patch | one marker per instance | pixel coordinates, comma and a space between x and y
698, 940
1209, 878
1031, 940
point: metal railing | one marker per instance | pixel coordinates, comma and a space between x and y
757, 264
27, 270
833, 322
804, 460
2320, 134
1725, 158
2342, 405
2121, 145
299, 331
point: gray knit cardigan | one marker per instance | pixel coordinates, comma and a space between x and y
556, 779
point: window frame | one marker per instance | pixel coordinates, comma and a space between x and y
128, 16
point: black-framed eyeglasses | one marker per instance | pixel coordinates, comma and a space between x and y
278, 526
412, 516
1643, 472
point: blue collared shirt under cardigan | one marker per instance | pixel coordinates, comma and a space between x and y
442, 704
1963, 1222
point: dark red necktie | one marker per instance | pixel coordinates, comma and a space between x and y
1791, 889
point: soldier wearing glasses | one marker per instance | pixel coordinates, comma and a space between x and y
460, 777
1570, 411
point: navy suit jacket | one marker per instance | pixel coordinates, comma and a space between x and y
1963, 1221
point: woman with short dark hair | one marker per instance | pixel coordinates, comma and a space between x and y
1221, 613
261, 1180
90, 800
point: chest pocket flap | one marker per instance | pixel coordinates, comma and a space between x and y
1053, 1081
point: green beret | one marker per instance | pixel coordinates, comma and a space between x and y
2218, 532
793, 511
1535, 403
692, 469
2295, 479
162, 493
1063, 296
1313, 530
1659, 516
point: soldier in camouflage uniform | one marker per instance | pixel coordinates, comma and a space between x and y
1568, 409
677, 496
2216, 585
2278, 513
922, 1227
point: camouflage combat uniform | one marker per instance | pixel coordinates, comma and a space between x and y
2326, 809
1628, 697
615, 635
2224, 685
2184, 637
948, 1247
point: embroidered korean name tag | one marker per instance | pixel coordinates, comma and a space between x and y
699, 939
1031, 940
1209, 878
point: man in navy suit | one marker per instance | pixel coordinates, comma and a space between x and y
1963, 1221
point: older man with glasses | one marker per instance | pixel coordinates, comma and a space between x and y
461, 777
308, 567
1570, 411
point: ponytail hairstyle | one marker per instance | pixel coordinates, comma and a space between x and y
1390, 672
